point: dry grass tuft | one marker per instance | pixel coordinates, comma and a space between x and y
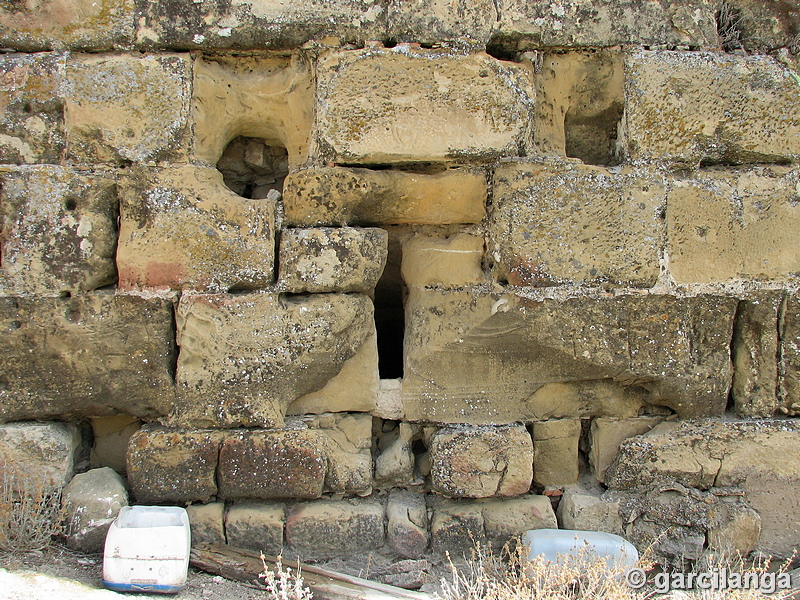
282, 583
30, 511
729, 28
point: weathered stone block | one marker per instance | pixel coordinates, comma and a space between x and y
407, 523
457, 527
504, 519
173, 465
579, 357
557, 222
525, 25
446, 262
702, 454
245, 358
73, 24
342, 259
181, 228
86, 356
324, 529
342, 196
91, 502
256, 525
110, 441
671, 115
257, 24
789, 366
754, 352
38, 455
463, 23
267, 98
31, 107
353, 389
394, 466
734, 530
555, 451
582, 511
724, 225
60, 231
605, 436
400, 105
477, 462
207, 523
279, 463
139, 113
348, 443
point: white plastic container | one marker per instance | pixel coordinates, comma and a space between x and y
147, 550
561, 545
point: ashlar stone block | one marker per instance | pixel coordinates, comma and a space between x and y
478, 462
457, 527
443, 262
465, 23
256, 525
207, 522
407, 523
31, 107
405, 104
181, 228
38, 456
671, 115
261, 97
724, 225
505, 518
341, 259
357, 196
245, 358
555, 451
59, 231
90, 355
124, 108
556, 222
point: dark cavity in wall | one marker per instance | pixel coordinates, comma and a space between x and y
390, 311
251, 168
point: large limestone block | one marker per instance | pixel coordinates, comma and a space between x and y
91, 502
326, 529
86, 356
606, 434
280, 463
555, 451
341, 259
59, 231
789, 366
31, 107
173, 465
36, 456
523, 25
753, 455
348, 448
123, 108
578, 357
752, 114
267, 98
457, 527
478, 462
724, 225
557, 222
73, 24
755, 351
504, 519
447, 262
256, 525
406, 104
181, 228
462, 23
250, 24
342, 196
245, 358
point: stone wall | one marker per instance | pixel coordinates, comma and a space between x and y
348, 275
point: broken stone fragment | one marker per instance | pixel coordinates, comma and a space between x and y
91, 502
605, 436
583, 511
59, 232
506, 518
348, 445
182, 229
406, 104
245, 358
110, 437
407, 523
256, 525
555, 451
394, 466
456, 527
478, 462
139, 114
86, 355
343, 196
344, 259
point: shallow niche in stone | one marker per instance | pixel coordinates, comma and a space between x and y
251, 167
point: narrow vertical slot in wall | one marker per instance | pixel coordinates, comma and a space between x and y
390, 312
252, 167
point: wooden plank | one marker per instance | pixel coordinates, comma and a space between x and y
240, 564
